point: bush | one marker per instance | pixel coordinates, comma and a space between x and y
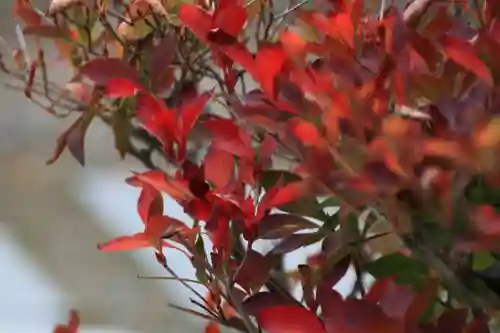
389, 116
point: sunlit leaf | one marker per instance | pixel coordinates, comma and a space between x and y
463, 54
269, 63
150, 203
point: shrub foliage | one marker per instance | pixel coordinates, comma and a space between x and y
369, 129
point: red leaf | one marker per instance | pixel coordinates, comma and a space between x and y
212, 327
219, 167
453, 321
72, 326
23, 9
101, 70
198, 21
230, 137
130, 243
288, 319
292, 42
343, 26
269, 62
303, 130
422, 301
201, 24
159, 121
120, 87
126, 243
157, 226
158, 180
190, 112
231, 19
267, 148
254, 270
463, 54
238, 53
286, 194
262, 300
396, 300
150, 203
486, 221
378, 288
73, 138
354, 315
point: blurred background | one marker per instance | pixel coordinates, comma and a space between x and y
52, 217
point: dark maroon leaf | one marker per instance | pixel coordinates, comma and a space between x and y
160, 73
296, 241
452, 321
331, 275
354, 315
262, 300
286, 319
281, 225
254, 270
331, 303
101, 70
73, 139
306, 275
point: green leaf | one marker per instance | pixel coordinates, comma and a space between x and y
482, 260
269, 178
121, 131
305, 207
405, 269
200, 273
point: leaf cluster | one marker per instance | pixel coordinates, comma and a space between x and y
386, 116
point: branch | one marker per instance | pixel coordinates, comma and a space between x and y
477, 299
415, 10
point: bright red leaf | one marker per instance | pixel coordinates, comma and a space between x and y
230, 18
463, 54
269, 62
303, 130
159, 121
119, 88
150, 203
